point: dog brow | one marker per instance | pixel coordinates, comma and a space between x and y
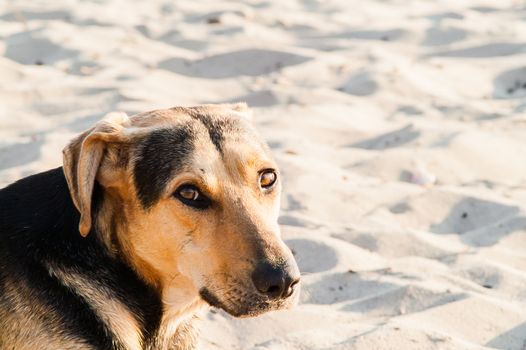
158, 158
216, 127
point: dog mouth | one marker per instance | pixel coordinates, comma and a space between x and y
249, 306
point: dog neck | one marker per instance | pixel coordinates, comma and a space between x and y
177, 329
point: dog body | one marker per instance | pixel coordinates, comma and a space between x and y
58, 289
177, 209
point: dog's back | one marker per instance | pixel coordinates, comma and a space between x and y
51, 277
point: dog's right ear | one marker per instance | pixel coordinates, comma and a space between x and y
82, 159
241, 110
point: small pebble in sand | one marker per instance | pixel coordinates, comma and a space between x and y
213, 20
421, 176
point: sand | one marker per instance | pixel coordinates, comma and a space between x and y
399, 126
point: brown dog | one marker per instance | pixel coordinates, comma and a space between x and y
176, 209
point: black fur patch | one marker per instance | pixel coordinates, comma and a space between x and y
158, 157
39, 227
216, 127
210, 298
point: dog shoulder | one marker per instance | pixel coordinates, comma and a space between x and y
26, 323
57, 289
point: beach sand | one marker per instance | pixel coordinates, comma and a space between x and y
399, 127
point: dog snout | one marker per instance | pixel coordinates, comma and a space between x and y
275, 282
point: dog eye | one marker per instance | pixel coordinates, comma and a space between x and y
191, 196
189, 192
267, 178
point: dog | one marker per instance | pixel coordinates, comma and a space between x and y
152, 219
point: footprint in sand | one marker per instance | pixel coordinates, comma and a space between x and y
438, 35
472, 213
445, 15
27, 15
450, 212
509, 234
402, 300
30, 48
261, 98
251, 62
342, 286
487, 50
383, 35
510, 83
391, 139
360, 84
313, 256
20, 154
511, 339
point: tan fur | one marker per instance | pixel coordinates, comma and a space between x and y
113, 313
21, 326
82, 160
166, 243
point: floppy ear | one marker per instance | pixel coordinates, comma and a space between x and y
82, 158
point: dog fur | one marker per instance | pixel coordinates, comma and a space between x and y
100, 254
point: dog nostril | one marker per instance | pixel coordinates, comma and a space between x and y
273, 281
273, 290
290, 289
269, 280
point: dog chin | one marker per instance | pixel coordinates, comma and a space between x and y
250, 308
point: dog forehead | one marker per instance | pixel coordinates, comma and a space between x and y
157, 158
179, 139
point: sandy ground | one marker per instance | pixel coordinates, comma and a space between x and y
400, 128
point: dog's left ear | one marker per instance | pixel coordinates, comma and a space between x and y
82, 158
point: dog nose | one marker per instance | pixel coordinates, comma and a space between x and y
274, 281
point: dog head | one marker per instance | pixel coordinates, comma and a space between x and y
191, 201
